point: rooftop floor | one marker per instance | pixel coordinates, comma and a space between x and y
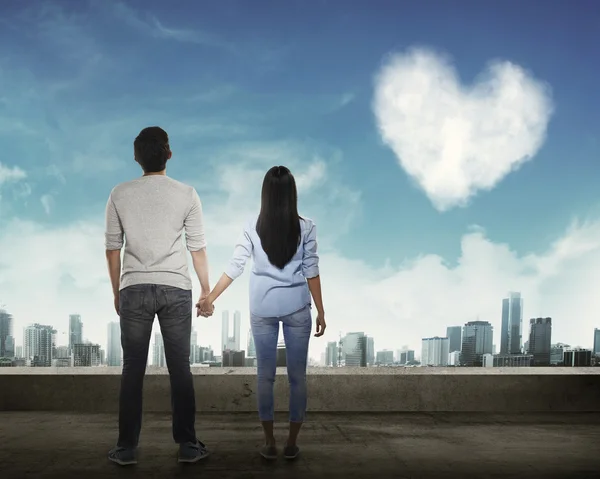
50, 444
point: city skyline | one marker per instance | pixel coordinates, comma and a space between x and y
112, 346
429, 162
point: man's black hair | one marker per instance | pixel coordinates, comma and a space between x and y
151, 149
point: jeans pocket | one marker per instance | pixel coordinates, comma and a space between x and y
131, 300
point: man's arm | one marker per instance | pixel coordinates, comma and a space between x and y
113, 242
196, 243
113, 258
200, 261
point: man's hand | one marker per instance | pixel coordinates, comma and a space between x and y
204, 306
117, 303
320, 325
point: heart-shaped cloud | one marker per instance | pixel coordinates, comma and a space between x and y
456, 140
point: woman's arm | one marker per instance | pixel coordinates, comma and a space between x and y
310, 270
241, 254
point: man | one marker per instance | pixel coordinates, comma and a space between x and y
151, 213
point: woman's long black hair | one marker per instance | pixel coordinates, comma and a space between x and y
278, 224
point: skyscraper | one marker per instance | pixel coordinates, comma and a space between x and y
86, 355
477, 340
331, 354
7, 342
40, 344
596, 349
512, 324
384, 358
540, 340
158, 356
434, 351
251, 349
193, 346
454, 335
113, 346
371, 351
237, 329
75, 330
354, 348
231, 342
225, 331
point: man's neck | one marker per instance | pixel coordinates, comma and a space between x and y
156, 173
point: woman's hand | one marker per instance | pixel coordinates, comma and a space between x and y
205, 306
320, 325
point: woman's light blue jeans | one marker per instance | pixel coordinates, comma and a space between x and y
296, 333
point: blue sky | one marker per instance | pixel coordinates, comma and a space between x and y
240, 86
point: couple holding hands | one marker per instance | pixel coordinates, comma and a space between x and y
146, 218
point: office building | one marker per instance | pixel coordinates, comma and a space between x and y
62, 352
578, 358
19, 352
434, 351
202, 354
237, 329
251, 347
477, 340
75, 330
39, 345
331, 354
158, 352
512, 324
7, 341
454, 358
405, 356
233, 359
540, 340
596, 349
113, 346
371, 351
227, 341
354, 349
557, 353
454, 335
86, 355
384, 358
193, 345
507, 360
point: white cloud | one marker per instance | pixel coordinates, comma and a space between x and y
151, 25
396, 304
47, 202
8, 173
455, 140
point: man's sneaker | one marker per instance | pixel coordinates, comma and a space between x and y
291, 452
190, 452
269, 452
122, 456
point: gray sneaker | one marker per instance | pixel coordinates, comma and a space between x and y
268, 452
122, 456
190, 452
291, 452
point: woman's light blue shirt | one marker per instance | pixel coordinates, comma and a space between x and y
276, 292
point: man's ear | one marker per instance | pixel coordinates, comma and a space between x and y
169, 155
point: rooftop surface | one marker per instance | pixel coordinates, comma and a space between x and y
386, 445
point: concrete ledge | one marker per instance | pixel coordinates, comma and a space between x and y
496, 390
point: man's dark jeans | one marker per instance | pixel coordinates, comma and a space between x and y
138, 305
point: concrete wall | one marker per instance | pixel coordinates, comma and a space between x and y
330, 390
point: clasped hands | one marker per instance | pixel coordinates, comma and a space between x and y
205, 306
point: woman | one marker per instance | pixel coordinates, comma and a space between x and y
285, 274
